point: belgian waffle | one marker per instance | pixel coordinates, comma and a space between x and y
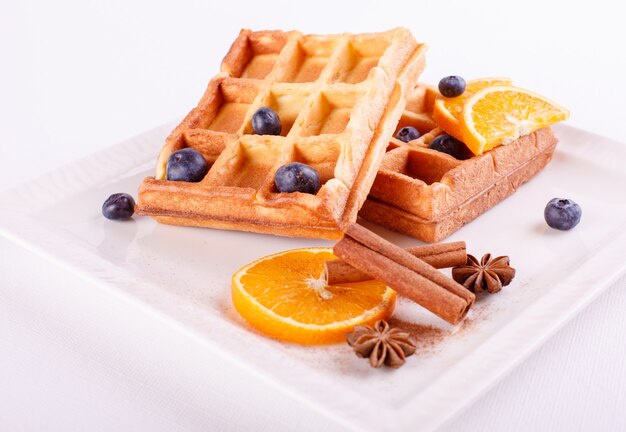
429, 195
339, 98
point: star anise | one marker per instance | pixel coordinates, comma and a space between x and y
381, 344
488, 275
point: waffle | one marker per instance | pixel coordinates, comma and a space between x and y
429, 195
339, 98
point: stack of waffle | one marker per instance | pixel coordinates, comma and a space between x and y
340, 99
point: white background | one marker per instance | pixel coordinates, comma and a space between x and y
77, 76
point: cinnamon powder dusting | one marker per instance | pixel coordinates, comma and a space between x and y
424, 336
427, 337
479, 313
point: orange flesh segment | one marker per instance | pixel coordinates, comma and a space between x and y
447, 111
281, 296
499, 115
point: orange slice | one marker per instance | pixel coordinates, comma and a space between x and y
285, 296
448, 110
501, 114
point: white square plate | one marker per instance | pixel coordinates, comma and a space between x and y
184, 273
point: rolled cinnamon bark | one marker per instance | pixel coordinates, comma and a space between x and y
409, 276
442, 255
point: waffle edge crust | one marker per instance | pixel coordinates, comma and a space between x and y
429, 195
339, 98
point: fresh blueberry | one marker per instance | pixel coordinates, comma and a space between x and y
407, 133
265, 121
452, 86
562, 214
450, 145
297, 177
186, 165
118, 206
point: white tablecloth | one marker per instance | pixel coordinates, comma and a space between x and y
78, 76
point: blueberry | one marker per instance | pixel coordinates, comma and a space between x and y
452, 86
297, 177
562, 214
407, 133
450, 145
118, 206
186, 165
265, 121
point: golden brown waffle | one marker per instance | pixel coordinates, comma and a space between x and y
428, 194
339, 98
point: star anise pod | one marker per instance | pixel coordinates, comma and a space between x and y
488, 275
381, 344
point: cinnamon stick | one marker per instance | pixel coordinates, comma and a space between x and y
442, 255
409, 276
